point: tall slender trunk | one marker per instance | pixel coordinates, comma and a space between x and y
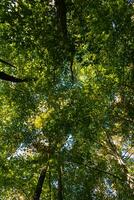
60, 185
41, 179
49, 170
128, 179
49, 183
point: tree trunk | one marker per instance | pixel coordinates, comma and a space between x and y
49, 182
61, 17
60, 186
41, 179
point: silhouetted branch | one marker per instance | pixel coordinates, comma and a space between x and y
13, 79
7, 63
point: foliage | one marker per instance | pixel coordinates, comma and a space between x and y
76, 116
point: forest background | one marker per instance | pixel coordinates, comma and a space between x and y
66, 100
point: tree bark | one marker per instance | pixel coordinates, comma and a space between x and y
61, 16
39, 186
49, 182
6, 63
6, 77
60, 185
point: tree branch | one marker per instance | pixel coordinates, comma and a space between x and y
6, 77
7, 63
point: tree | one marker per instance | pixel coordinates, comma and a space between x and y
69, 134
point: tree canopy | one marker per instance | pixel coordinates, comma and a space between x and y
66, 100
